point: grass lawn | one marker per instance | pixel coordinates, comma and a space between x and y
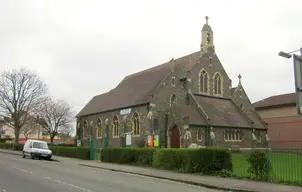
285, 167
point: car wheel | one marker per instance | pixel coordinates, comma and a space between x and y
23, 155
32, 156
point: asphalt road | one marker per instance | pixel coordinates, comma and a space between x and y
27, 175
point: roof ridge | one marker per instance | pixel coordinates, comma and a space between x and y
160, 65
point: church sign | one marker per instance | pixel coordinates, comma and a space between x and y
125, 111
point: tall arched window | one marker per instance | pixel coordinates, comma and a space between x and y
217, 84
173, 99
203, 81
199, 134
85, 130
135, 124
99, 128
115, 126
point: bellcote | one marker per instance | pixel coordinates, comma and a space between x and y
206, 37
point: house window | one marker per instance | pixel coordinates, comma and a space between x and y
115, 126
173, 81
203, 81
99, 128
217, 84
173, 100
135, 124
199, 134
233, 135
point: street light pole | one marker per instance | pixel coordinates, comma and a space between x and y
297, 62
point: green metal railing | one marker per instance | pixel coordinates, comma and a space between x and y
286, 165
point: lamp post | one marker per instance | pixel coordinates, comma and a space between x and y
297, 62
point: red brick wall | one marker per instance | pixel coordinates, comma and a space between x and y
285, 132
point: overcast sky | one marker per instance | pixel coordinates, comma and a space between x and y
84, 48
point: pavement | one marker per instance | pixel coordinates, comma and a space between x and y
206, 183
27, 175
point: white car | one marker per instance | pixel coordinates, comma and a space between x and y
36, 149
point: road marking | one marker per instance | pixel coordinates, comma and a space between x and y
70, 185
23, 170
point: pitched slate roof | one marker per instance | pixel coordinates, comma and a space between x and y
276, 100
136, 88
222, 111
195, 117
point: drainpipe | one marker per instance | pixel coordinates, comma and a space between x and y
166, 130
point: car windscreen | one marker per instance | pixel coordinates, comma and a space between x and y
39, 145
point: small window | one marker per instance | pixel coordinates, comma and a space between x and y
173, 100
173, 81
210, 60
187, 99
208, 37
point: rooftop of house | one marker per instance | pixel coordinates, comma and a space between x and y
276, 101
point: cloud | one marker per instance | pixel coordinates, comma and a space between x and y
85, 48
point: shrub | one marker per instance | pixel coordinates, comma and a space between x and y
11, 146
208, 161
259, 165
73, 152
3, 140
136, 156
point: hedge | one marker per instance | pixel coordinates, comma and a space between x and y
136, 156
207, 161
73, 152
12, 146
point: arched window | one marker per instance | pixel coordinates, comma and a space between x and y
217, 84
227, 135
135, 124
173, 99
115, 126
199, 134
99, 128
85, 129
203, 81
208, 37
187, 99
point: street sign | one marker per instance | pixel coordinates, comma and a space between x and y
298, 82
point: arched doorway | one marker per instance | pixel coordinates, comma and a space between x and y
174, 136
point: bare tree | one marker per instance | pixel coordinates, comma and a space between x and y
66, 132
20, 91
31, 127
55, 116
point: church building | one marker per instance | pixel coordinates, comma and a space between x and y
185, 101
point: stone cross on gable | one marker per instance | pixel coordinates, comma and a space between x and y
239, 76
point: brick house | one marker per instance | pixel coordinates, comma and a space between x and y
183, 101
284, 125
